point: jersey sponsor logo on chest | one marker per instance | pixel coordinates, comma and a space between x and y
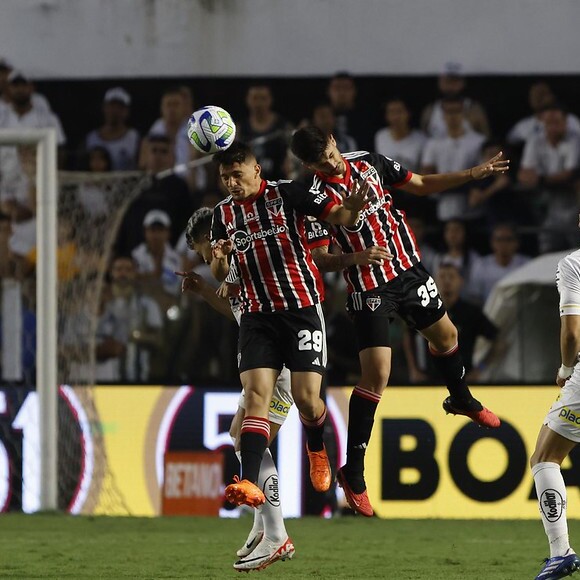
243, 240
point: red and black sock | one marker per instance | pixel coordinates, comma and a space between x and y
314, 431
450, 365
254, 438
361, 417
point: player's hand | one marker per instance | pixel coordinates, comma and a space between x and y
495, 165
359, 196
374, 255
227, 290
192, 282
222, 248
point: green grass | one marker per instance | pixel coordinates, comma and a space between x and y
55, 546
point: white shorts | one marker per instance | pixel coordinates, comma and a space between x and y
281, 399
564, 415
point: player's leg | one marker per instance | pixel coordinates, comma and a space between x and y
269, 541
305, 355
444, 349
551, 449
371, 314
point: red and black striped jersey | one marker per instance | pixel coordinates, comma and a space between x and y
275, 267
380, 223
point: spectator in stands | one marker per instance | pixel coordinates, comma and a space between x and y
324, 118
264, 122
92, 194
39, 102
487, 271
456, 249
129, 329
169, 194
428, 253
155, 258
350, 119
23, 114
469, 320
172, 124
540, 96
452, 84
398, 140
495, 194
121, 140
550, 163
458, 150
18, 200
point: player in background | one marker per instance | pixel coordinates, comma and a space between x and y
560, 432
376, 292
260, 229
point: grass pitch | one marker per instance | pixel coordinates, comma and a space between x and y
56, 546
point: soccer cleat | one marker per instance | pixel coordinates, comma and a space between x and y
359, 502
320, 474
484, 417
253, 540
244, 492
559, 567
267, 552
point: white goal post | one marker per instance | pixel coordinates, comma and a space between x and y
46, 296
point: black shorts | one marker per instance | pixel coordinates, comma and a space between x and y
412, 296
295, 338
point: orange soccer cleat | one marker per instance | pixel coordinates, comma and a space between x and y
244, 492
320, 474
359, 502
483, 417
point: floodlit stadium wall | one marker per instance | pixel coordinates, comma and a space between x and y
420, 462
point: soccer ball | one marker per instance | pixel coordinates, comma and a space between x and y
211, 129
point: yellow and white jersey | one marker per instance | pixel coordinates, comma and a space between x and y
568, 282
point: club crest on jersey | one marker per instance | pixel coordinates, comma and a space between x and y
274, 205
370, 171
373, 302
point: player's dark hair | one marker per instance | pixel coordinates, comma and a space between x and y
198, 225
237, 152
309, 144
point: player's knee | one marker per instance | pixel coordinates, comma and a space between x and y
544, 456
446, 338
307, 404
376, 378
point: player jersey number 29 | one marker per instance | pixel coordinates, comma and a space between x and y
427, 291
310, 340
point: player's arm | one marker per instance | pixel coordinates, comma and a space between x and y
437, 182
194, 283
569, 346
220, 263
327, 262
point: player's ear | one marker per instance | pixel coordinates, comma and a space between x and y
257, 169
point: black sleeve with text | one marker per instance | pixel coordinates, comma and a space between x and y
392, 172
305, 202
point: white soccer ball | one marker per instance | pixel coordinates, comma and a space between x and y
211, 129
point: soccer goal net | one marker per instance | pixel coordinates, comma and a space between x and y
58, 231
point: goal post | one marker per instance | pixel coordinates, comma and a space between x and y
46, 297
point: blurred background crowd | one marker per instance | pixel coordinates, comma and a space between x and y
148, 332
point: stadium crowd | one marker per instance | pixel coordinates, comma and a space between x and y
147, 331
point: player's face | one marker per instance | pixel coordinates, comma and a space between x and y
203, 249
242, 180
331, 162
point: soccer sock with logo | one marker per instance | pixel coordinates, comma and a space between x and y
551, 492
361, 417
450, 366
254, 438
258, 525
271, 510
314, 431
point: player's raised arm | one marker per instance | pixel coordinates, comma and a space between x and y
437, 182
194, 283
327, 262
348, 213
